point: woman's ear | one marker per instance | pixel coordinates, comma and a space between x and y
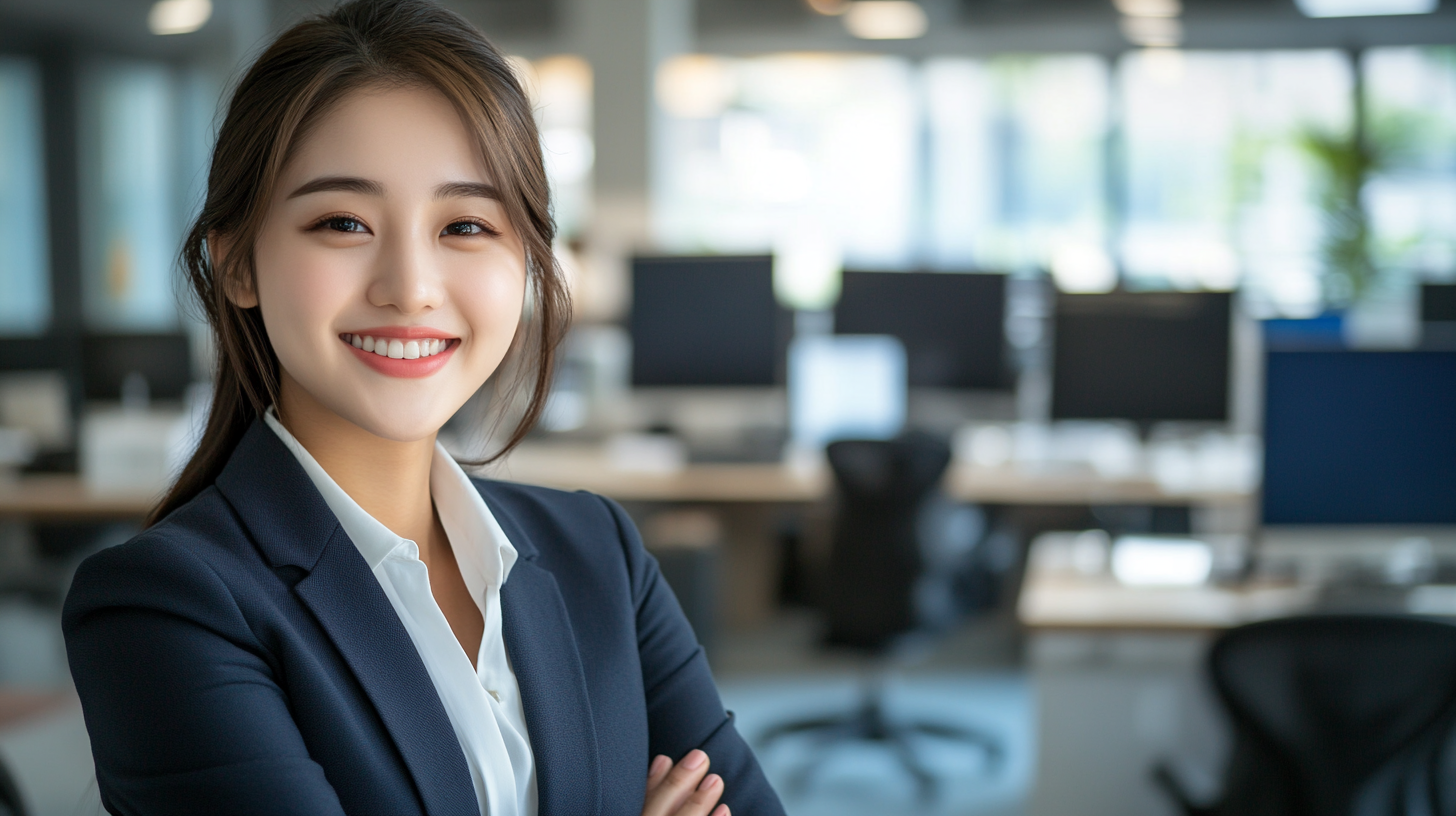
239, 292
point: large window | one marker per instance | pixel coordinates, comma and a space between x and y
1183, 169
129, 177
1016, 160
1410, 101
791, 146
1220, 185
25, 302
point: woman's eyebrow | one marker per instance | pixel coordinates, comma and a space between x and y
467, 189
337, 184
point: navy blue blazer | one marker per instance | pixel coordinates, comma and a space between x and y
240, 657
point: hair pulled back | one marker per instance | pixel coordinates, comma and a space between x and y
306, 72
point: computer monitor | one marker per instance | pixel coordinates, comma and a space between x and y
1360, 438
165, 360
846, 387
1438, 303
707, 321
953, 324
1438, 316
1142, 356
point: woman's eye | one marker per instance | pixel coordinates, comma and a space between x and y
467, 228
343, 223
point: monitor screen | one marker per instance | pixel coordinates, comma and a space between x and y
707, 321
847, 387
163, 359
953, 324
1142, 356
1360, 437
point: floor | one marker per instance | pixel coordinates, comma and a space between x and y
970, 679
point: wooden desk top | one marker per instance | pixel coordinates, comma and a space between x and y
1054, 597
66, 497
588, 468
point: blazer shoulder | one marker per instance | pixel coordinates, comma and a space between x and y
183, 564
559, 521
525, 503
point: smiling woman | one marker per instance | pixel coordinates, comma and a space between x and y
326, 614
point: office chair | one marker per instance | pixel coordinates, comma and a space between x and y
875, 564
1335, 715
11, 804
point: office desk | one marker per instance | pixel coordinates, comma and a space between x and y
583, 467
65, 497
1118, 674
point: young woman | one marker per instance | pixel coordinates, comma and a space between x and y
327, 615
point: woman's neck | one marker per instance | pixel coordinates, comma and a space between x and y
390, 480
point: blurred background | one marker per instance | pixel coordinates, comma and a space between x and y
971, 366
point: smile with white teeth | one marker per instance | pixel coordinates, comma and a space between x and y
397, 349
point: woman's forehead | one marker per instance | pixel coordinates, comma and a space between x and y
397, 136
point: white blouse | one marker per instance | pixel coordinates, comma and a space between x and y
482, 701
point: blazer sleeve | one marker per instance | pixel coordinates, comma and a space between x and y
683, 708
183, 709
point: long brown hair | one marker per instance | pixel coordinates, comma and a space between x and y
303, 75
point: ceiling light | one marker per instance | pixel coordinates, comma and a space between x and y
886, 20
1149, 8
1153, 32
1365, 8
178, 16
831, 8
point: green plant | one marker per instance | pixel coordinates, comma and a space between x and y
1345, 163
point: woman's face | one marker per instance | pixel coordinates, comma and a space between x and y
390, 279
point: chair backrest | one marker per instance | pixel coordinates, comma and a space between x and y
1323, 705
875, 555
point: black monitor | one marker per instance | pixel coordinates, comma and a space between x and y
1360, 437
707, 321
1142, 356
1438, 303
165, 361
1438, 316
953, 324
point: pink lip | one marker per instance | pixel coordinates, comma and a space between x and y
408, 369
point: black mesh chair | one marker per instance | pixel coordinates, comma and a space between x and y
1335, 716
869, 599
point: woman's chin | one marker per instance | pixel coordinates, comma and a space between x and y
398, 422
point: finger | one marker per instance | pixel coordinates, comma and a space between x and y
657, 771
722, 810
679, 784
701, 801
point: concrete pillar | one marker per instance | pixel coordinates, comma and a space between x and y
625, 41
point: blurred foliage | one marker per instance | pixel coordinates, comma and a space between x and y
1345, 162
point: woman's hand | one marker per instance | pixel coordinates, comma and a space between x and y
684, 789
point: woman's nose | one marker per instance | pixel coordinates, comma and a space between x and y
406, 276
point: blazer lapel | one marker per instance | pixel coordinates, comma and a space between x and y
292, 525
548, 668
348, 601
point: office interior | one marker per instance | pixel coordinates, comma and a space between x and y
1141, 312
